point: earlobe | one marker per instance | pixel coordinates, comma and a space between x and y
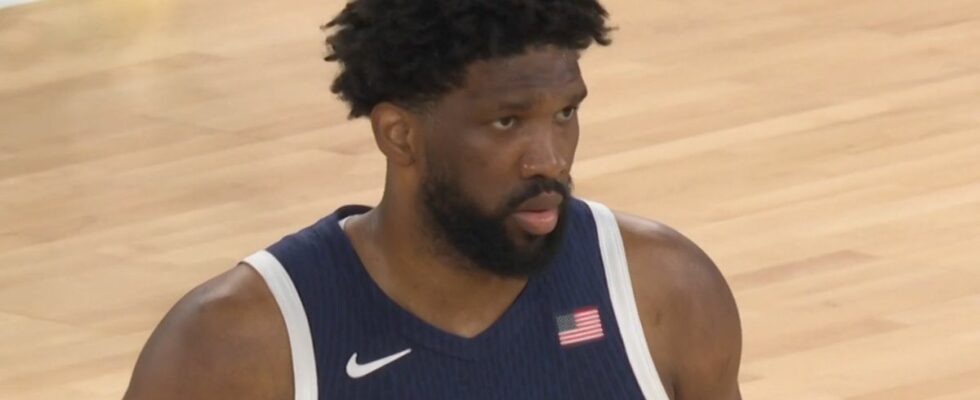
394, 129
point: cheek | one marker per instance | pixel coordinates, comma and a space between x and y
479, 150
488, 171
468, 167
572, 142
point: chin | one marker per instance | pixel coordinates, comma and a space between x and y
527, 242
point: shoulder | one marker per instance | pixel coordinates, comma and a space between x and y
686, 307
225, 339
662, 258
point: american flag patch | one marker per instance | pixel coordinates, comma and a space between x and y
581, 326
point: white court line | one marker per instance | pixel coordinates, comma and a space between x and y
11, 3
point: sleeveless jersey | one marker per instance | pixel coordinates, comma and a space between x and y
573, 333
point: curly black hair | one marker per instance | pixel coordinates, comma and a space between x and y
411, 52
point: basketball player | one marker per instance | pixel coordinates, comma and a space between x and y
478, 275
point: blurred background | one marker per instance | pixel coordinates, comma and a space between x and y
825, 153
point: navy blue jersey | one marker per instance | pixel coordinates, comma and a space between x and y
573, 333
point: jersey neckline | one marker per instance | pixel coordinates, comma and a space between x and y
416, 329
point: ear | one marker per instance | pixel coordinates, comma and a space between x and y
396, 132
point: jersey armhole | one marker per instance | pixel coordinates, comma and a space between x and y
624, 303
297, 326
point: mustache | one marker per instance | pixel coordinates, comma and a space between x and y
536, 187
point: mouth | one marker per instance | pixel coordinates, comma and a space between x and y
539, 215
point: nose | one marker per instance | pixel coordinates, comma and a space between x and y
545, 155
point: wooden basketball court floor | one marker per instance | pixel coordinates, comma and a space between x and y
825, 153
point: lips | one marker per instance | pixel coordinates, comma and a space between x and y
539, 215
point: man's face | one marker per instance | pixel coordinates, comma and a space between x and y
497, 157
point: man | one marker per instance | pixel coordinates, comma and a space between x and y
478, 275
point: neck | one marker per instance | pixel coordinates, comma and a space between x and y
435, 285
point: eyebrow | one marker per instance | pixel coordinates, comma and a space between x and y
527, 104
579, 97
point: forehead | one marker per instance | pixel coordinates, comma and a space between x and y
537, 69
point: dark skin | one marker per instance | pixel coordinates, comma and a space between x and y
512, 120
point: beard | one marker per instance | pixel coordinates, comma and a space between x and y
457, 223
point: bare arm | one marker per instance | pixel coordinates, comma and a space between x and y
687, 311
224, 340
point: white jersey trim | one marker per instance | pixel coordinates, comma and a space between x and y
297, 326
624, 303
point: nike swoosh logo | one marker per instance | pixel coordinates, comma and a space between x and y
355, 370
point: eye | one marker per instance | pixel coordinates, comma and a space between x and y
505, 123
566, 114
